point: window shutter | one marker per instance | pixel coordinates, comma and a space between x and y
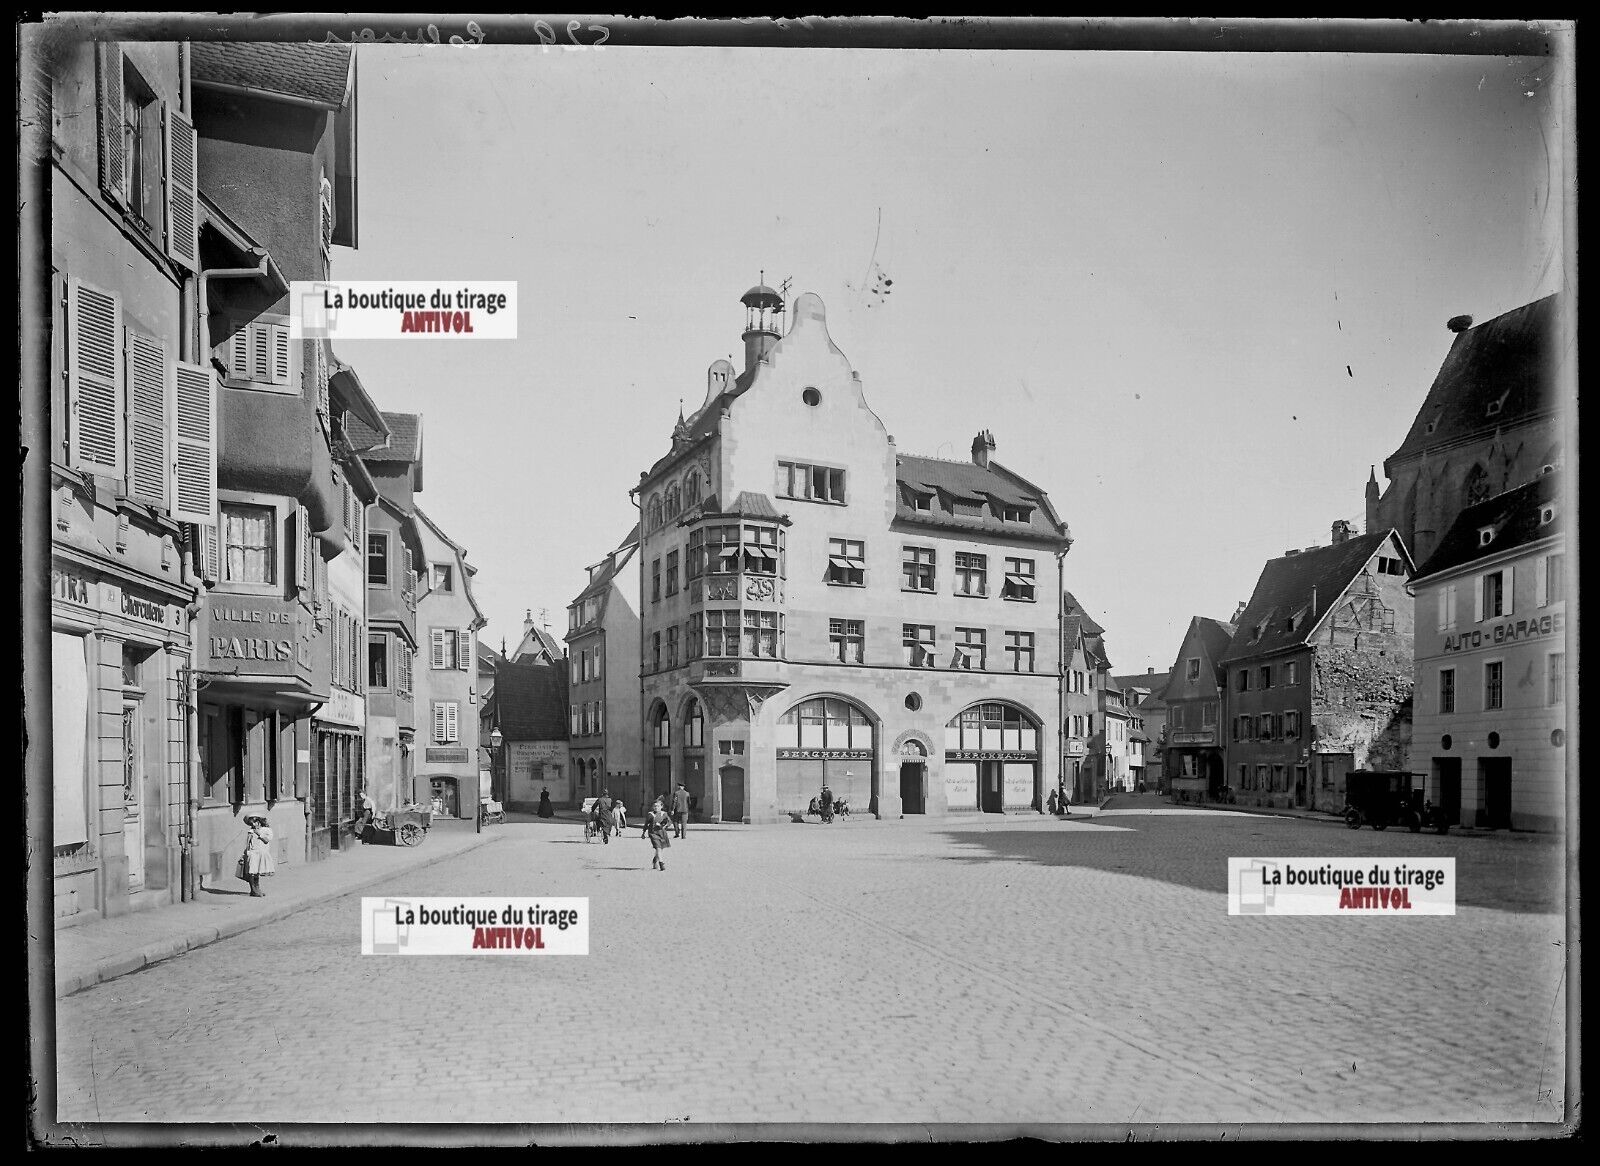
108, 80
326, 207
1541, 581
278, 340
210, 552
94, 379
1444, 608
436, 644
194, 455
439, 726
463, 649
148, 373
183, 219
303, 549
1508, 576
1477, 599
320, 362
239, 354
1450, 605
260, 353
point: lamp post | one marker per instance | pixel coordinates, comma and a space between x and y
496, 740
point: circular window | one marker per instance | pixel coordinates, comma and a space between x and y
1494, 740
1558, 737
1444, 741
913, 701
811, 397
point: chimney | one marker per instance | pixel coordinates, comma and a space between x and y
1237, 612
527, 622
1149, 671
982, 447
1341, 530
1458, 324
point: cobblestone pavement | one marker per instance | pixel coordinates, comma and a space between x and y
982, 970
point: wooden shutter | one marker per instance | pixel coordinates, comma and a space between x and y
238, 359
1444, 608
436, 644
278, 345
450, 718
209, 552
183, 218
320, 367
1477, 599
303, 549
325, 207
1541, 581
108, 82
94, 379
194, 456
463, 650
1507, 576
439, 725
148, 394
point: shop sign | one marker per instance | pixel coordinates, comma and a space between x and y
1194, 737
988, 755
257, 634
71, 587
444, 756
343, 708
1508, 633
825, 754
155, 613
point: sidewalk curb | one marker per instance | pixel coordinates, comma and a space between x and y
153, 953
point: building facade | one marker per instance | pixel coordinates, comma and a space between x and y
394, 559
603, 672
275, 141
132, 464
529, 711
1491, 421
817, 607
1085, 669
447, 689
1147, 713
1195, 760
1320, 672
1493, 711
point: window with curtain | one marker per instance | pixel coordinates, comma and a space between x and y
250, 534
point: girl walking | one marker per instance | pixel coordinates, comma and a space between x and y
656, 822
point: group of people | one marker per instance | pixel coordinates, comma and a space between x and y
610, 817
1057, 802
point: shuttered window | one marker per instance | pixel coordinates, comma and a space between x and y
445, 722
326, 215
463, 649
194, 457
148, 402
94, 380
183, 219
304, 550
258, 354
108, 83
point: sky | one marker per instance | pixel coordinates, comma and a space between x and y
1194, 296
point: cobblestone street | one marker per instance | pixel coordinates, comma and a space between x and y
1014, 971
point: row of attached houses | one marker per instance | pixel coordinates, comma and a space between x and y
1454, 669
212, 487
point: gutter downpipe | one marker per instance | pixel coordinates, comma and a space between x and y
1061, 683
646, 775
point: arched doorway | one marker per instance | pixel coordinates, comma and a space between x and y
660, 752
825, 740
913, 778
694, 757
991, 759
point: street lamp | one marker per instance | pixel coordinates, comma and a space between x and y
496, 740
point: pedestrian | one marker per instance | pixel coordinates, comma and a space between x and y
546, 810
621, 816
825, 803
602, 816
1052, 802
680, 809
656, 827
258, 860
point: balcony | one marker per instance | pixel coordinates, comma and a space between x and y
736, 670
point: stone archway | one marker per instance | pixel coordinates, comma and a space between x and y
992, 758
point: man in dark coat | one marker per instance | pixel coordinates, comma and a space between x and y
602, 816
680, 809
825, 803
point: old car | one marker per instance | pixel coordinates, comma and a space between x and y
1381, 799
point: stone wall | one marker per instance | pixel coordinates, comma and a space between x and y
1361, 704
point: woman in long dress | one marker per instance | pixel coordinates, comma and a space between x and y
546, 810
656, 822
258, 859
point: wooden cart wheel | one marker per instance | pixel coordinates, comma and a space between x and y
410, 834
1352, 819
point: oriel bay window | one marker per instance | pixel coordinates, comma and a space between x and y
761, 550
847, 562
1019, 580
672, 646
763, 634
694, 563
722, 550
378, 558
722, 632
694, 638
250, 543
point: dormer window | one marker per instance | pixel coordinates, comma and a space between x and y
1434, 424
1016, 513
1485, 535
1547, 514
